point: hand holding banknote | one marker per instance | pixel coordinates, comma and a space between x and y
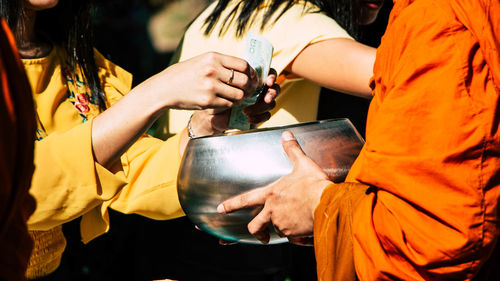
258, 53
255, 108
254, 113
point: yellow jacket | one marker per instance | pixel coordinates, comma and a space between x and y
68, 182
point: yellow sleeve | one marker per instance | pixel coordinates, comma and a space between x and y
150, 167
78, 186
69, 183
66, 183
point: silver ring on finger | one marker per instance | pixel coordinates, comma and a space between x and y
231, 77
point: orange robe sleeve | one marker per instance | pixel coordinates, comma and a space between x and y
17, 125
333, 231
432, 151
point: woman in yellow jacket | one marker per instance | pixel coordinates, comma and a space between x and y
90, 155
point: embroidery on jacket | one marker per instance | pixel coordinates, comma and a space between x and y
79, 95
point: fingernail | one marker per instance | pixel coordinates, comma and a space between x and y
221, 209
287, 136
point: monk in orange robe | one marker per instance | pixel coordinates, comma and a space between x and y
421, 202
17, 126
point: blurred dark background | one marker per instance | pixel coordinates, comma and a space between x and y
140, 36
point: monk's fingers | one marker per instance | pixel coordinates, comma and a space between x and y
292, 147
259, 226
278, 231
255, 197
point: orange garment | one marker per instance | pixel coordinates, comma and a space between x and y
17, 127
333, 231
432, 149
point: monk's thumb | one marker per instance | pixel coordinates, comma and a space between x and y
291, 147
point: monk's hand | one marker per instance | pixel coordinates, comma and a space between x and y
259, 112
289, 203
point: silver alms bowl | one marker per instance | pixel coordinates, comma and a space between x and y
215, 168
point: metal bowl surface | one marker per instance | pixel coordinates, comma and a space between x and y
215, 168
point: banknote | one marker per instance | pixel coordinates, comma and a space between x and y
258, 53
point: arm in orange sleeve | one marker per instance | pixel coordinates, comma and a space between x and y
482, 17
432, 145
333, 239
17, 125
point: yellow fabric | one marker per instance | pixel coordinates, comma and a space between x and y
47, 253
68, 183
295, 30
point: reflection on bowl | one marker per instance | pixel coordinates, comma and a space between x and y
215, 168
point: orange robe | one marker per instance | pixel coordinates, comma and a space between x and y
432, 149
17, 131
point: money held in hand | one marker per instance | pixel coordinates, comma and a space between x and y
258, 53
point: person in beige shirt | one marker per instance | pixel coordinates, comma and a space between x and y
313, 48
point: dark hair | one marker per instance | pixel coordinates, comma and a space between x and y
344, 12
69, 24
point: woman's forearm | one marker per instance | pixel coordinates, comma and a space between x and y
197, 83
117, 128
339, 64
